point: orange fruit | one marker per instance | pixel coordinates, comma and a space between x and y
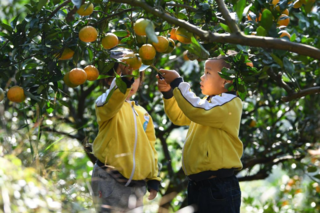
92, 72
171, 46
284, 33
286, 12
275, 2
185, 56
85, 10
250, 19
140, 25
1, 94
250, 64
297, 4
253, 123
173, 34
66, 80
16, 94
109, 41
162, 45
183, 35
66, 54
88, 34
77, 76
147, 62
283, 20
132, 60
147, 52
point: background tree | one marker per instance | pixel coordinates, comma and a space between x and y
276, 72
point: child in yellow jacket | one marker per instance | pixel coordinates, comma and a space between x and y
212, 150
124, 148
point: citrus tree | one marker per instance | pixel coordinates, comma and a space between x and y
56, 54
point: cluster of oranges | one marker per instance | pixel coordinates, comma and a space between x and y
283, 20
148, 51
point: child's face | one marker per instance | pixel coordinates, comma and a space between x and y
211, 82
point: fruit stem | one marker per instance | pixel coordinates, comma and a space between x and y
152, 66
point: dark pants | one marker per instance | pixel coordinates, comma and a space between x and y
221, 195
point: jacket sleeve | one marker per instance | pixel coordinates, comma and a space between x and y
154, 182
109, 103
202, 111
174, 113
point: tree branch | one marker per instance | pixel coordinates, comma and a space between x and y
183, 6
226, 15
57, 9
279, 81
300, 94
47, 129
116, 14
247, 40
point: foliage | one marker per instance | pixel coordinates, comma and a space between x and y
279, 92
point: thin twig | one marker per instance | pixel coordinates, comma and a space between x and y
226, 15
58, 8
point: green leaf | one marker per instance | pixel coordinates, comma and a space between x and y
121, 33
317, 176
261, 31
90, 53
278, 60
293, 37
288, 65
30, 95
151, 34
285, 78
121, 85
6, 27
241, 4
225, 27
197, 49
41, 4
266, 19
312, 169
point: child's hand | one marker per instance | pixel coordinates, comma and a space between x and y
126, 70
163, 86
153, 194
169, 75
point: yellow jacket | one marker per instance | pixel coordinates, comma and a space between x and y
212, 141
126, 138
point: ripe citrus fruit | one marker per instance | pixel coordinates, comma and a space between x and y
88, 34
110, 41
66, 80
253, 123
173, 34
286, 12
162, 45
250, 19
16, 94
284, 33
185, 56
297, 4
250, 64
147, 62
92, 72
275, 2
132, 60
171, 46
140, 25
66, 54
147, 52
1, 94
77, 76
183, 35
283, 20
85, 10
